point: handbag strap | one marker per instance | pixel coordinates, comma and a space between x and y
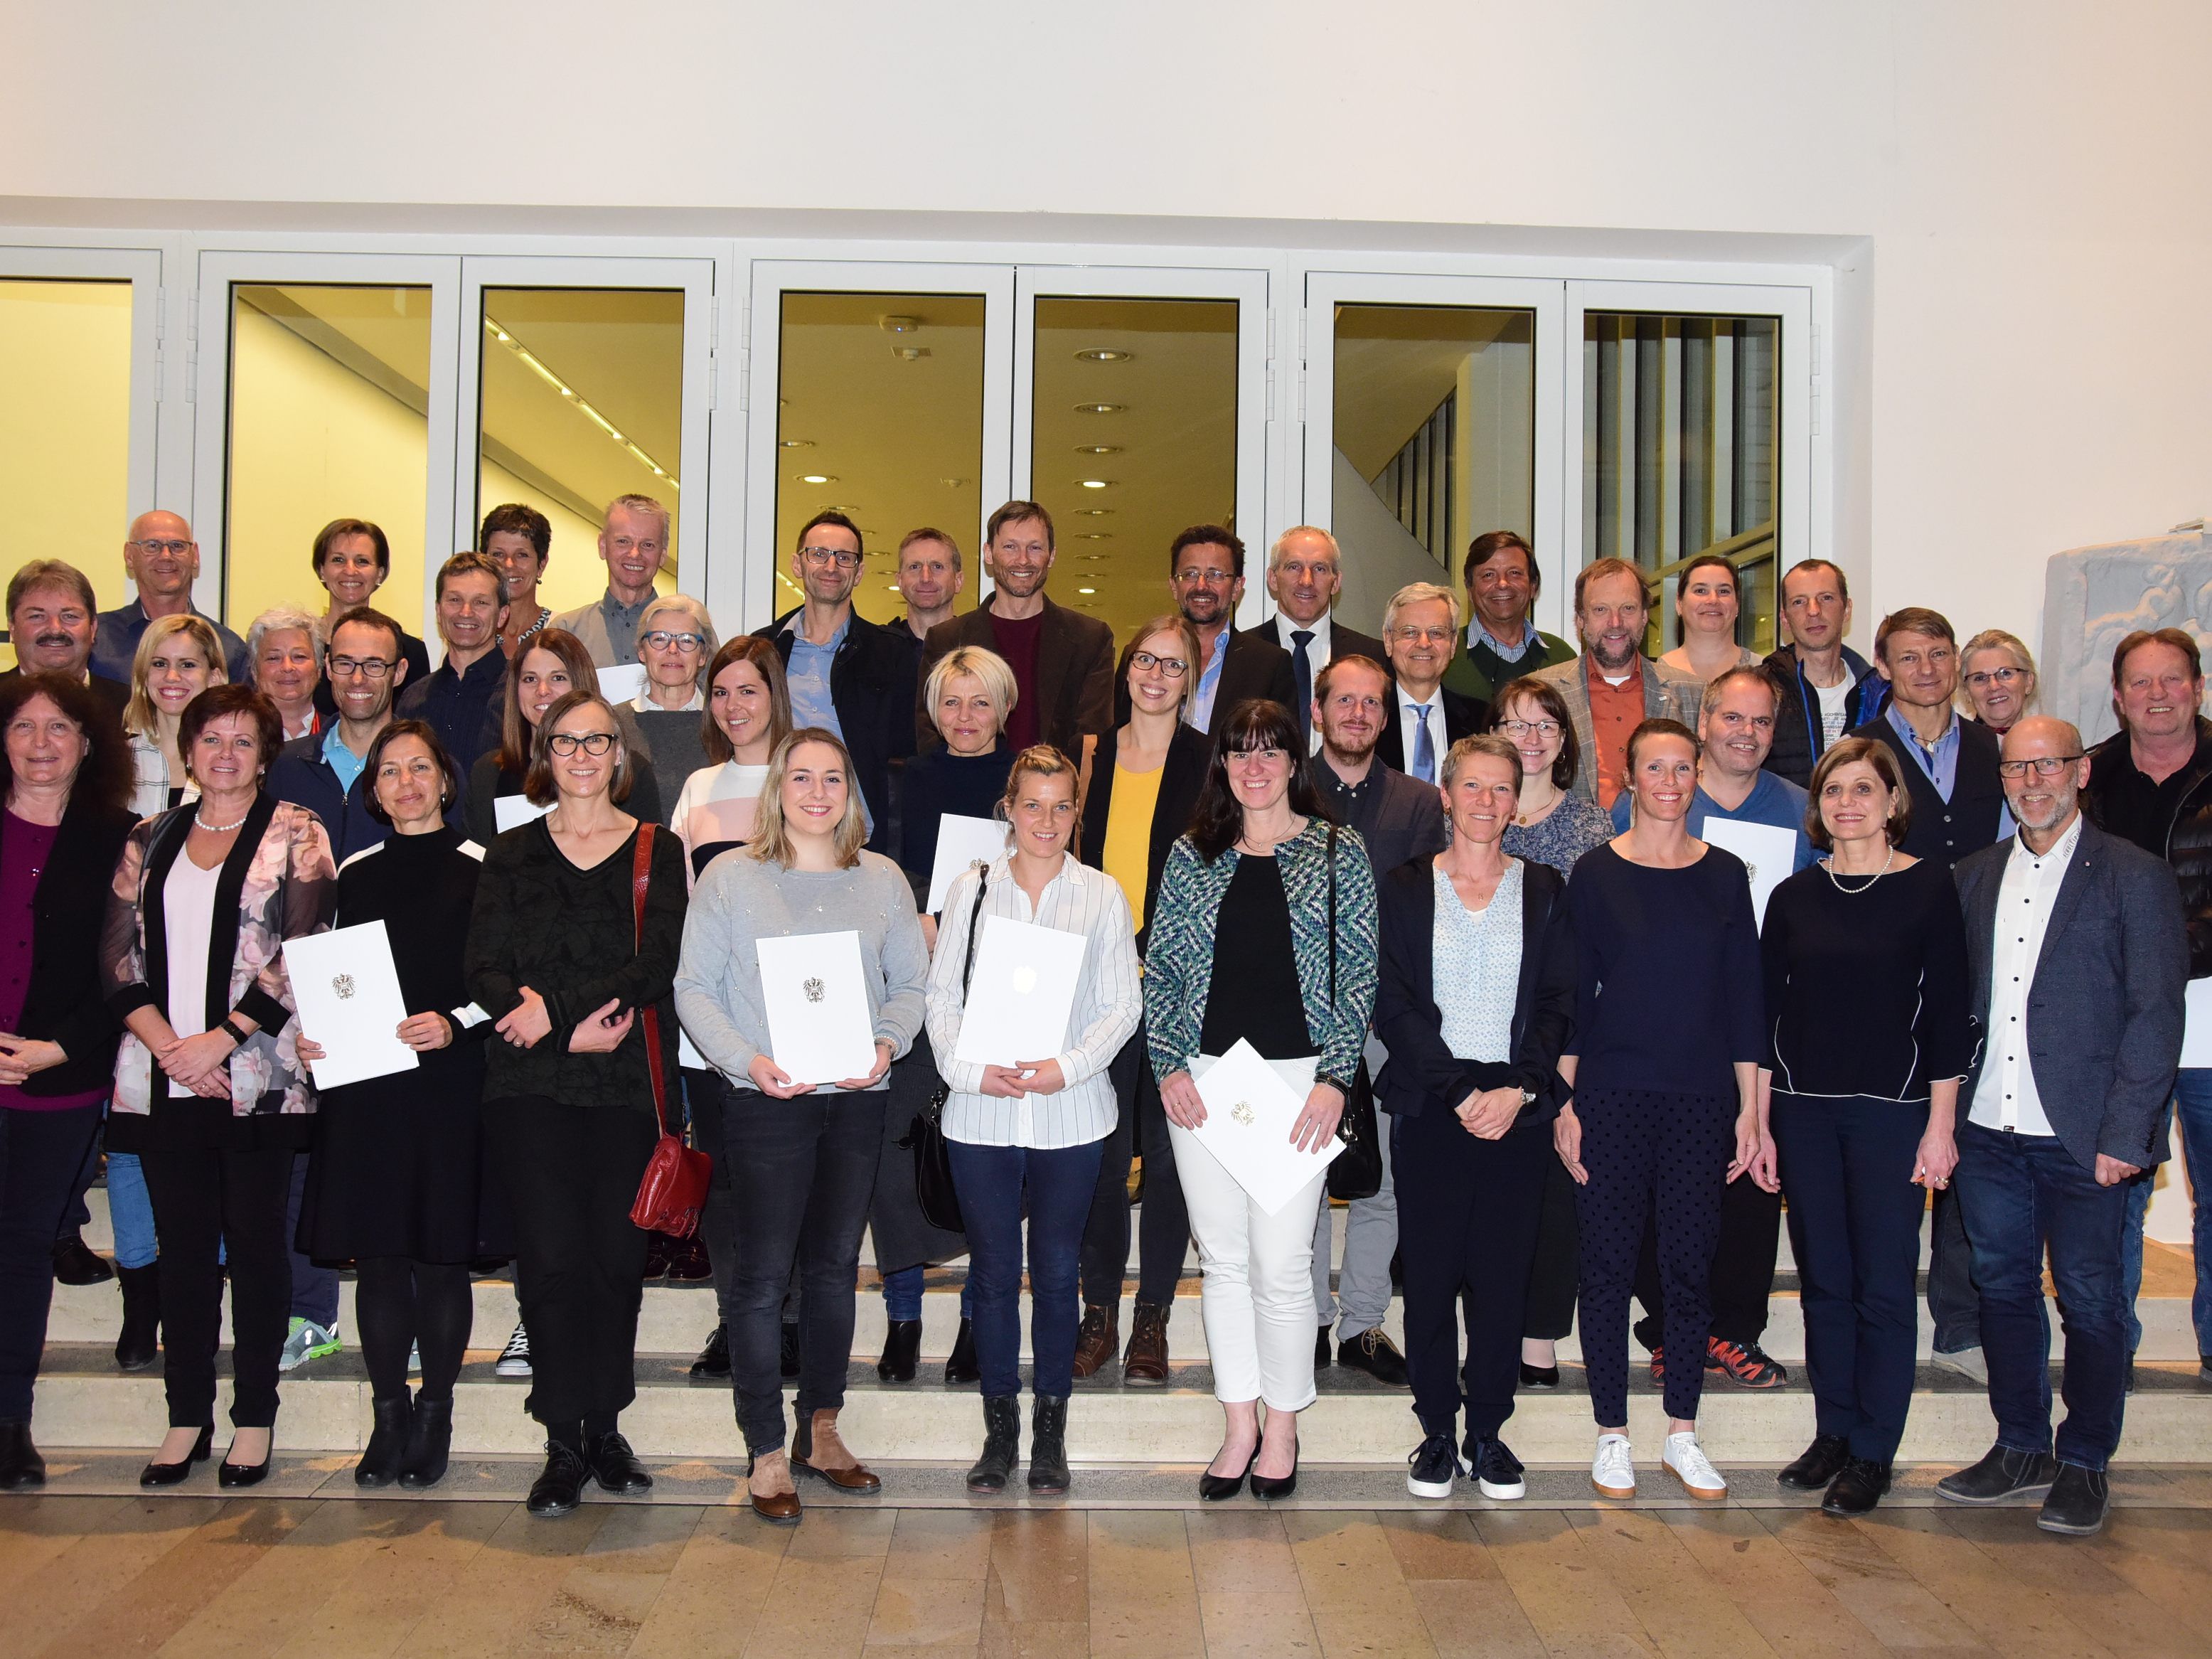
1332, 921
641, 878
975, 920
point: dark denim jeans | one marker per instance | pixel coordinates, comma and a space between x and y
2192, 1104
41, 1154
2020, 1193
802, 1173
1057, 1184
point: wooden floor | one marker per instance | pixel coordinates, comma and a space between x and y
336, 1578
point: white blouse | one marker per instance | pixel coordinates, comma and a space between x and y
1476, 962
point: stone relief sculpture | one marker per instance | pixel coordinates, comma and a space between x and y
2095, 597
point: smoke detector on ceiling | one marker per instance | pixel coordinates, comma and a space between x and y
899, 324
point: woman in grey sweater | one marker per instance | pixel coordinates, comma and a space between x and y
801, 1154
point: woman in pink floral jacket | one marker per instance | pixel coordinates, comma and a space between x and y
209, 1090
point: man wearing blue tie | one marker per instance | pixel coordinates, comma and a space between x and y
1304, 571
1420, 631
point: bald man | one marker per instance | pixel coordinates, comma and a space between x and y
161, 557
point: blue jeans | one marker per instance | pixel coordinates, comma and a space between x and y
2192, 1104
993, 1182
902, 1294
130, 1212
2021, 1192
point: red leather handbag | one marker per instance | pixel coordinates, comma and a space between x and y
674, 1189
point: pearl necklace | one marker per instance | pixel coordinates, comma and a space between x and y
1829, 865
218, 828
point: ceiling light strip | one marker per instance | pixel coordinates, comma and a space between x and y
531, 360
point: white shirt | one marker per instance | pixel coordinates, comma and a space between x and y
1317, 648
188, 919
2005, 1097
1410, 716
1833, 709
1474, 961
1109, 1000
642, 703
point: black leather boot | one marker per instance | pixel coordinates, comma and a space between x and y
1002, 1444
429, 1444
963, 1366
1048, 1446
902, 1351
388, 1442
21, 1468
139, 1344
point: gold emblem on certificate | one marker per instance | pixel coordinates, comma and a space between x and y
813, 989
1242, 1112
341, 987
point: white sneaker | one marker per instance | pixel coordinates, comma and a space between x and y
1686, 1459
1613, 1471
514, 1358
1967, 1362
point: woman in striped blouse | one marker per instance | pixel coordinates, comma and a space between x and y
1032, 1129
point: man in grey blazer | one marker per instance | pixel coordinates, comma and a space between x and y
1612, 687
2078, 960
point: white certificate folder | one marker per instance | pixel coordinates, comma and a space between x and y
818, 1026
346, 987
1769, 854
1021, 994
961, 840
1249, 1110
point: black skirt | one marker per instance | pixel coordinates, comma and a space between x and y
398, 1168
198, 1124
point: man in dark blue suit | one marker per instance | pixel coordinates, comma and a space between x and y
2078, 960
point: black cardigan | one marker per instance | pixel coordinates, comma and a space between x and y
64, 1002
1422, 1069
1182, 774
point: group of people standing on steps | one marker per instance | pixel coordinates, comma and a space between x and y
1460, 868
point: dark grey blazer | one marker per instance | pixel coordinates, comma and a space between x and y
2104, 1014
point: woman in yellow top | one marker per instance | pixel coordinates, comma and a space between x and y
1144, 779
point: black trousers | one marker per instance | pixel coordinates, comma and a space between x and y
1163, 1226
571, 1175
210, 1206
1743, 1268
42, 1155
1468, 1214
1556, 1271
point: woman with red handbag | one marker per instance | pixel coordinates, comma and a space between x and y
573, 945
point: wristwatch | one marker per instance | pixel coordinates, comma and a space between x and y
238, 1034
1528, 1098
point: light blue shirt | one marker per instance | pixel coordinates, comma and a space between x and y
1200, 712
1773, 801
1478, 634
1939, 763
344, 762
807, 675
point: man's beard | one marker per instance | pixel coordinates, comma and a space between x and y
1333, 749
1627, 656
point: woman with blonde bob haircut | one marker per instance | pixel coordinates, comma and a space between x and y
802, 1152
177, 658
1997, 679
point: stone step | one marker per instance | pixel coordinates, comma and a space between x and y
83, 1401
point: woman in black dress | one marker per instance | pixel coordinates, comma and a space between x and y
393, 1183
548, 669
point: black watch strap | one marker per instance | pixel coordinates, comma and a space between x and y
238, 1033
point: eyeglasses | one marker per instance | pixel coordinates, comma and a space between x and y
372, 668
591, 742
1173, 667
1423, 635
843, 557
1530, 729
175, 550
661, 640
2046, 766
1982, 677
1210, 578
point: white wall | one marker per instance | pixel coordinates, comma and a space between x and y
2024, 368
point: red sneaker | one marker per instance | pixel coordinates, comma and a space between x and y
1744, 1363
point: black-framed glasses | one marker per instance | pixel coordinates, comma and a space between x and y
591, 742
371, 668
843, 557
2046, 766
1173, 667
661, 640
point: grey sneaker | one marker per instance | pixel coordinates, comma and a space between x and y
306, 1341
1967, 1362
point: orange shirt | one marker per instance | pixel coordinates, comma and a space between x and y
1615, 712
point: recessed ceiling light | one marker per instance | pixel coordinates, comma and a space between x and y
1097, 484
1100, 409
952, 483
1090, 558
798, 443
1098, 449
1086, 590
1103, 355
1094, 512
1094, 535
816, 477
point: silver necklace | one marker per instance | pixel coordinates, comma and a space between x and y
1829, 865
218, 828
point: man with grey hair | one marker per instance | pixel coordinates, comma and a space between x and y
1420, 632
1614, 688
1305, 570
163, 560
633, 542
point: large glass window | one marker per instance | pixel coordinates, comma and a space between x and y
65, 423
1680, 433
580, 400
879, 414
1134, 438
328, 400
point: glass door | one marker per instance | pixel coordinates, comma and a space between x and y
583, 380
326, 392
1141, 408
1431, 407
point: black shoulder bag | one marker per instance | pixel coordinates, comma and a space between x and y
933, 1192
1357, 1171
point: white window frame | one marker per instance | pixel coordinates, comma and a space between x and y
696, 279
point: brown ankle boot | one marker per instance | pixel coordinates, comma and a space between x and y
1145, 1364
1098, 1341
817, 1450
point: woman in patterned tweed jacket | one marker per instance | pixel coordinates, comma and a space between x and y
1241, 947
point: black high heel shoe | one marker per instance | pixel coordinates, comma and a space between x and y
1215, 1487
231, 1476
1265, 1487
171, 1474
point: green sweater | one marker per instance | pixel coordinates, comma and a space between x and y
1477, 670
1179, 953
